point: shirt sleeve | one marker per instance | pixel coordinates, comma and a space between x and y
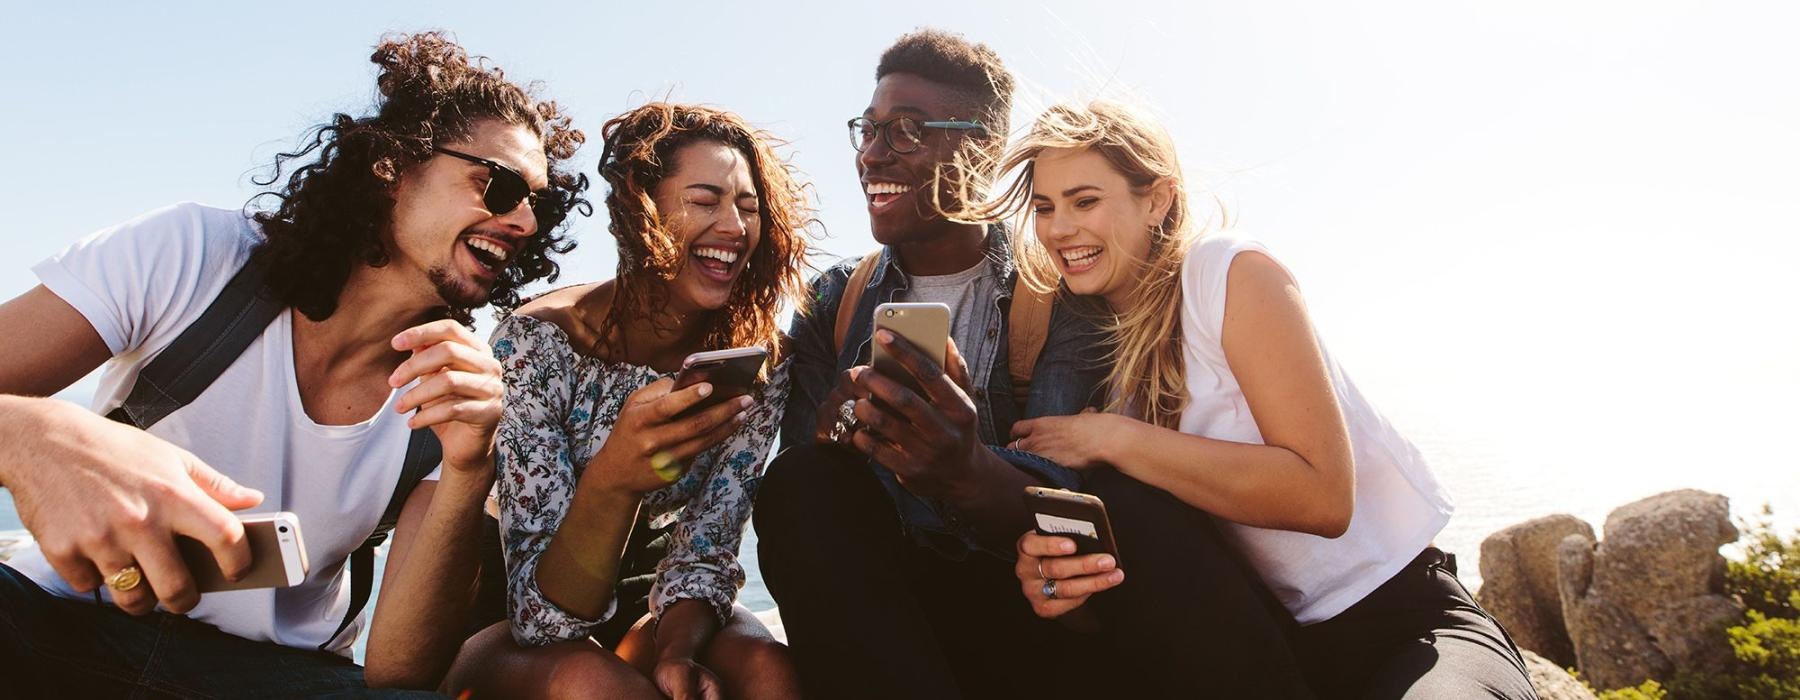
536, 477
146, 278
702, 561
813, 370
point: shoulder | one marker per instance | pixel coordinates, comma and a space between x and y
562, 309
827, 287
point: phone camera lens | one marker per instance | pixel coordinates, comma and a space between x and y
282, 528
890, 313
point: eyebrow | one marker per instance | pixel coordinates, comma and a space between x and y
1072, 191
903, 108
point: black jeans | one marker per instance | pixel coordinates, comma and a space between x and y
871, 614
1419, 636
54, 647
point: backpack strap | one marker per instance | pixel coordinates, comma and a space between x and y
423, 453
1028, 325
853, 291
178, 375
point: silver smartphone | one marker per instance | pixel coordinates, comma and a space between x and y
277, 556
925, 325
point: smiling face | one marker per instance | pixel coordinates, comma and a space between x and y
894, 184
442, 228
708, 201
1093, 223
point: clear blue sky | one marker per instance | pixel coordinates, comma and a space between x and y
1565, 228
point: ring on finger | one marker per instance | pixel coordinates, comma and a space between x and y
846, 420
125, 579
1049, 589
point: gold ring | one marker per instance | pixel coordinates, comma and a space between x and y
125, 579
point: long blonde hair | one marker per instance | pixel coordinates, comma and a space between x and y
1147, 380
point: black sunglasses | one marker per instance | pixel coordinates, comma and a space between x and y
902, 134
506, 188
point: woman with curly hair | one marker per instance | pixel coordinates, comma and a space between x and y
621, 515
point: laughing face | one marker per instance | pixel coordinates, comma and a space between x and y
894, 184
1094, 224
442, 226
709, 201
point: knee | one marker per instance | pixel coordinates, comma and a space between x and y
594, 672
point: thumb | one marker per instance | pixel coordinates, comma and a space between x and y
220, 487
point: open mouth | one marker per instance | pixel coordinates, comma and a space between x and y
1080, 258
491, 256
882, 194
715, 263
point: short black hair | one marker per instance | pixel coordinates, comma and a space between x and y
973, 70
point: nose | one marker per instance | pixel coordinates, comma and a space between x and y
733, 223
1061, 225
875, 154
521, 220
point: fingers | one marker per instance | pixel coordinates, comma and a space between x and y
166, 575
137, 600
711, 429
825, 420
1040, 545
956, 367
674, 401
425, 335
710, 688
451, 384
1023, 429
442, 356
215, 527
221, 488
937, 385
913, 409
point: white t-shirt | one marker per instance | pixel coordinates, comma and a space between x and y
1400, 506
140, 284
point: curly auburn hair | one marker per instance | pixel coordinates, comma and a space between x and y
640, 150
335, 209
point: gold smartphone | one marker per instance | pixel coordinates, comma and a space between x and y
277, 556
925, 325
1077, 516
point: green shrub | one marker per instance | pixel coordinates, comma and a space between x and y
1768, 579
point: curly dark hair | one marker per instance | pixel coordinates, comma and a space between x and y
640, 148
335, 208
972, 70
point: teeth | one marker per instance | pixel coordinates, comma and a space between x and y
886, 188
1075, 256
494, 251
725, 256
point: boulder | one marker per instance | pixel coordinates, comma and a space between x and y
1648, 600
1552, 682
1518, 583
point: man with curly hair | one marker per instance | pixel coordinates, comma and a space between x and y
359, 369
886, 526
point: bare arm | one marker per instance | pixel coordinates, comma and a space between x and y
99, 495
430, 584
1301, 479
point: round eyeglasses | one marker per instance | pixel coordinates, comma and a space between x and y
902, 134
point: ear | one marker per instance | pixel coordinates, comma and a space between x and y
1162, 197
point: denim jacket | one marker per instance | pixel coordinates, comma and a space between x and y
1067, 378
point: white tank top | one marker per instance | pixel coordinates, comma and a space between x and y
1400, 506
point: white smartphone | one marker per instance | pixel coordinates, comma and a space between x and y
925, 325
277, 556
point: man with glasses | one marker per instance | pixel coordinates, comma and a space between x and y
886, 527
335, 370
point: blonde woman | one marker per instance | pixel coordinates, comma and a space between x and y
1222, 397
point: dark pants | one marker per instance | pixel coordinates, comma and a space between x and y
1419, 636
870, 614
52, 647
1191, 619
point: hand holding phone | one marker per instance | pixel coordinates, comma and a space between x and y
1055, 576
926, 326
731, 372
277, 556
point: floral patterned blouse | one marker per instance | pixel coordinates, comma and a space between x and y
560, 407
